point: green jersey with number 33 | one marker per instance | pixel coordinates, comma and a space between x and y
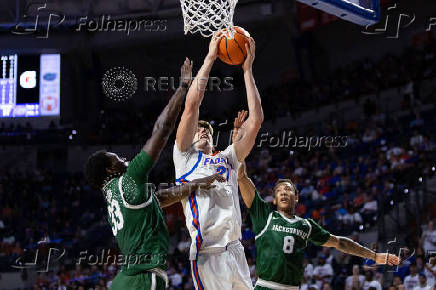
136, 218
281, 241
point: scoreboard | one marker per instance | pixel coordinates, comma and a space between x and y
30, 85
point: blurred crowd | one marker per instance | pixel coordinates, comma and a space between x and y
361, 77
347, 190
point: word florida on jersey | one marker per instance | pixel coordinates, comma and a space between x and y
217, 160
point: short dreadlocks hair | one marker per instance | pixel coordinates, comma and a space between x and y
280, 181
95, 168
207, 125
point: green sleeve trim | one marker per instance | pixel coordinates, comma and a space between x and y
318, 234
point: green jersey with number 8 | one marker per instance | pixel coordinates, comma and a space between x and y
280, 243
136, 218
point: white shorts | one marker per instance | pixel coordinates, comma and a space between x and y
222, 269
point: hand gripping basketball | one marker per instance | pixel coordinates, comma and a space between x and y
233, 51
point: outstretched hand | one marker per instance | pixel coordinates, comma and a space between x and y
213, 45
186, 73
240, 119
250, 47
237, 124
386, 258
206, 182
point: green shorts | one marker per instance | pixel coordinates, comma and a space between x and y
257, 287
261, 288
141, 281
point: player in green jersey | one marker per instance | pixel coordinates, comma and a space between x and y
281, 236
134, 210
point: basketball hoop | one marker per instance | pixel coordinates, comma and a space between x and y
208, 16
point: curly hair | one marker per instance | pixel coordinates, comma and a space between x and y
95, 168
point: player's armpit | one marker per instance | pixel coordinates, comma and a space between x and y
139, 168
332, 242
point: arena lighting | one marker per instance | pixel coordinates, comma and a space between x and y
70, 137
28, 79
406, 191
420, 179
361, 227
433, 168
392, 202
74, 132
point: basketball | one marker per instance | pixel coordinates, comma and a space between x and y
232, 51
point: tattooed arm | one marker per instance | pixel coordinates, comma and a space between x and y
348, 246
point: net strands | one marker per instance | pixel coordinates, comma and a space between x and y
208, 16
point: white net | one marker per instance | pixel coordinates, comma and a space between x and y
208, 16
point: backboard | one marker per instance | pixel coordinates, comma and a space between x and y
361, 12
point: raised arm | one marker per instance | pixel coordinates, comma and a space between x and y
166, 121
175, 194
255, 113
349, 246
246, 185
189, 121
